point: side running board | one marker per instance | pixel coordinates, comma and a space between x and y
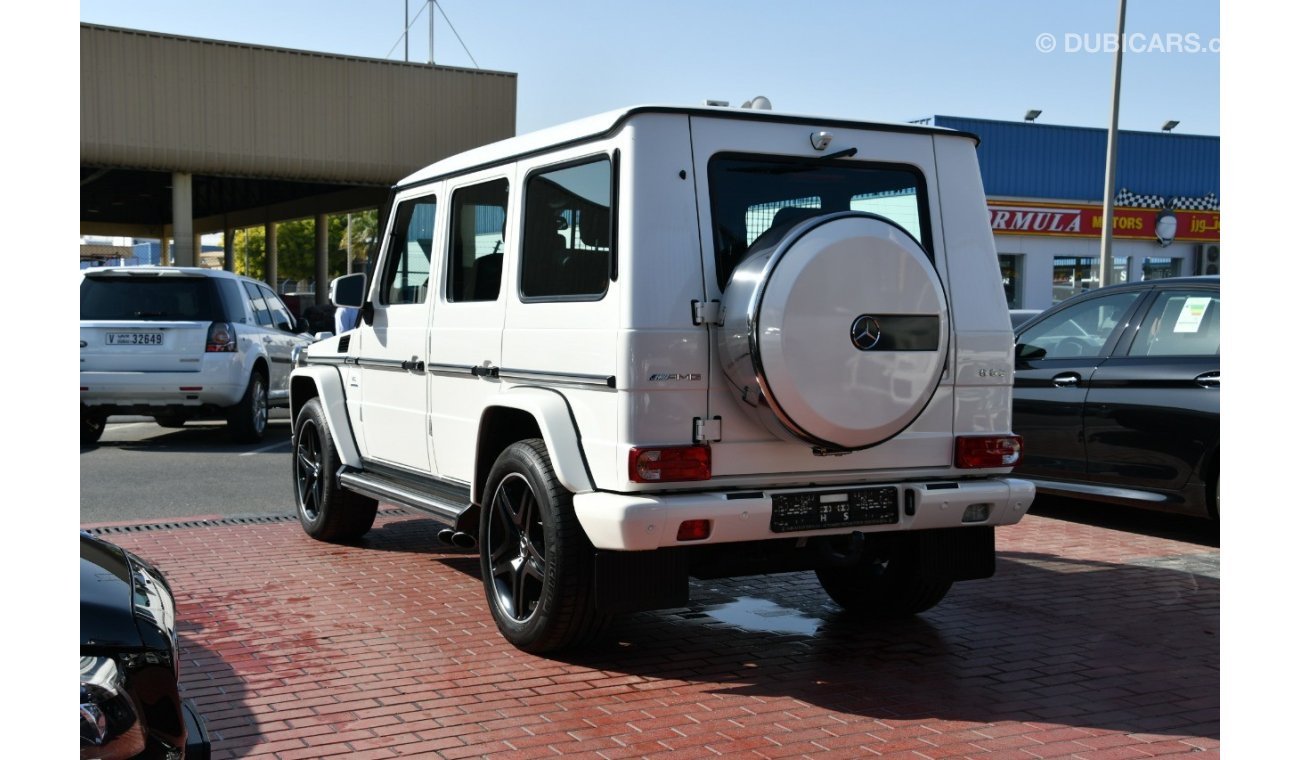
445, 501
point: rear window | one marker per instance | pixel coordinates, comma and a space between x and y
134, 297
753, 194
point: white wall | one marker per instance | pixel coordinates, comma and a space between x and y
1039, 252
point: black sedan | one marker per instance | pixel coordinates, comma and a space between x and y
130, 699
1117, 396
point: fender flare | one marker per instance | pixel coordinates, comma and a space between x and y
328, 385
559, 431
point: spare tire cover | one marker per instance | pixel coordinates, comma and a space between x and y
835, 330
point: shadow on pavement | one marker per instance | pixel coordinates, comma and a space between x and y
1174, 527
1130, 648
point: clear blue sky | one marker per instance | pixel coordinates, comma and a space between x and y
871, 60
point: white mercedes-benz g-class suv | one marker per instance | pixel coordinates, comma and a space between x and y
668, 342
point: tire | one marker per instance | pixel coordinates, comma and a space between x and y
538, 566
169, 420
92, 426
247, 419
883, 591
326, 511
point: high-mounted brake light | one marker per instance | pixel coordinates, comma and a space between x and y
221, 338
978, 451
669, 464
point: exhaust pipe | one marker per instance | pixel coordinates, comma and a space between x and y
457, 538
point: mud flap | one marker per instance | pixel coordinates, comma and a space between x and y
638, 581
959, 554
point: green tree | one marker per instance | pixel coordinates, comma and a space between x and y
296, 246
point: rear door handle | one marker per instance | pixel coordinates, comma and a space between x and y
1208, 380
1066, 380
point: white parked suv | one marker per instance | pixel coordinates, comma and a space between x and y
670, 342
181, 343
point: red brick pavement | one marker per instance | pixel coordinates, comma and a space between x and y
1089, 643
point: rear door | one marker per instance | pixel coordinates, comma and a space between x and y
268, 331
465, 338
1152, 410
1056, 359
750, 177
146, 321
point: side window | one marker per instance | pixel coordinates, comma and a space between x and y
279, 312
407, 270
1180, 323
567, 231
478, 221
261, 313
1079, 331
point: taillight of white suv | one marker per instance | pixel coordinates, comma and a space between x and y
221, 338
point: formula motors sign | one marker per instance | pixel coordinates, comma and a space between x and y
1084, 220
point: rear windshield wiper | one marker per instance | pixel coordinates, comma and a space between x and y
846, 153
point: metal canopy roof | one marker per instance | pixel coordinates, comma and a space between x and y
267, 133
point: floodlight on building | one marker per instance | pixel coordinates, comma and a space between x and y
1169, 126
1032, 114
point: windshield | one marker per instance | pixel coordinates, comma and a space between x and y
752, 194
149, 298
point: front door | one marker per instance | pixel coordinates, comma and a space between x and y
1153, 411
391, 356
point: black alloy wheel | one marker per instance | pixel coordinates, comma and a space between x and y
327, 511
538, 567
516, 541
307, 468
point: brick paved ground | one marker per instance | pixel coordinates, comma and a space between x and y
1089, 643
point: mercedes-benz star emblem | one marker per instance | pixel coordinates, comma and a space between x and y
865, 333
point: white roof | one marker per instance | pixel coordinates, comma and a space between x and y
601, 123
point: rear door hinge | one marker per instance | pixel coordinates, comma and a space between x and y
706, 312
708, 429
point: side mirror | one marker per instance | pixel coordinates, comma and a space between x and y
301, 326
348, 290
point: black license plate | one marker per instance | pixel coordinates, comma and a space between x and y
834, 509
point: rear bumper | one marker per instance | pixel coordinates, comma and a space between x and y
640, 522
133, 390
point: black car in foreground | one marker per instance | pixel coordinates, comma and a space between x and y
1117, 396
130, 700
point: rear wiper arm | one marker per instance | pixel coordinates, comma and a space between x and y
846, 153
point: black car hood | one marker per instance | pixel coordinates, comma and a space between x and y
107, 610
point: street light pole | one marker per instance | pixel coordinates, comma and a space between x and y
1112, 143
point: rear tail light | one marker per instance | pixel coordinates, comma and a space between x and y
668, 464
978, 451
221, 338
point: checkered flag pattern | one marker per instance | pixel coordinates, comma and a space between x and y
1128, 199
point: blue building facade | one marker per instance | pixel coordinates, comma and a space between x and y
1045, 184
